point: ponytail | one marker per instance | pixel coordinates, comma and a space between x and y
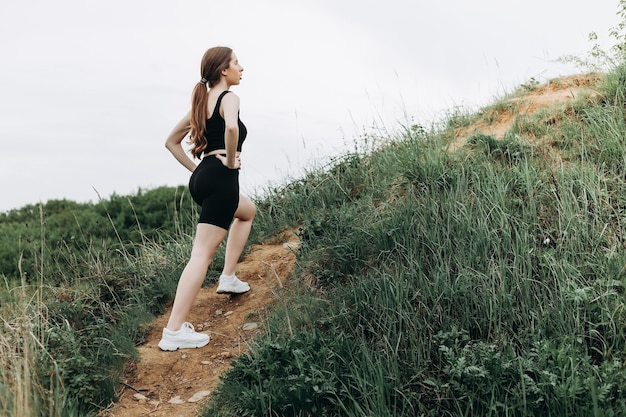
199, 100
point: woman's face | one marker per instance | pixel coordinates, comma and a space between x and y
234, 71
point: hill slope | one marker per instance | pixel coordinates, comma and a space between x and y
554, 94
166, 381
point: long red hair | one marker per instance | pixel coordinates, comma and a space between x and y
214, 61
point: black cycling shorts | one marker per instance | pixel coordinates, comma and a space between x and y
216, 188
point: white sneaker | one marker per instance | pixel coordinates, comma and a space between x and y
184, 338
232, 285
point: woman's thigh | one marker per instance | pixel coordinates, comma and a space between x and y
246, 208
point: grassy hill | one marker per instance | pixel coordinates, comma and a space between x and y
475, 267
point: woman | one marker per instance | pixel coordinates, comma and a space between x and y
216, 135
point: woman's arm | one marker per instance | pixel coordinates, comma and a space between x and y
174, 140
230, 108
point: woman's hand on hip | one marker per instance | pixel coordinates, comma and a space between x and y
236, 165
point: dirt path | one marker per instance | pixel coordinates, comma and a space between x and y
175, 384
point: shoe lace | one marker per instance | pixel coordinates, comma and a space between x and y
188, 327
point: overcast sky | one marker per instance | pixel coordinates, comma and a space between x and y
89, 90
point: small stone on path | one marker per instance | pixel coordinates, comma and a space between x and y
198, 396
176, 400
250, 326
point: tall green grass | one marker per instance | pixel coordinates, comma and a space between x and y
21, 390
486, 282
67, 332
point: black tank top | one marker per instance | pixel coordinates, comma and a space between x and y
215, 127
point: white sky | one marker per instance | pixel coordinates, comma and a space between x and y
89, 90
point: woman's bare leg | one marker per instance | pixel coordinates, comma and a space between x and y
238, 235
208, 239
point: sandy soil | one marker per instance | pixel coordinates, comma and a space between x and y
556, 92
